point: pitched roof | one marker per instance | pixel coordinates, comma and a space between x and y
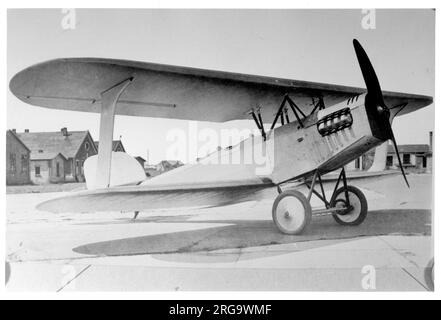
45, 156
13, 134
114, 144
53, 143
410, 148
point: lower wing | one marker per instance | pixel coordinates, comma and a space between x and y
141, 198
146, 197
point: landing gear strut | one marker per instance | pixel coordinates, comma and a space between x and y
292, 210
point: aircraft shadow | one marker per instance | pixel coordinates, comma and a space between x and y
253, 233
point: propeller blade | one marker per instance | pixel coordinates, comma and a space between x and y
374, 100
398, 156
369, 75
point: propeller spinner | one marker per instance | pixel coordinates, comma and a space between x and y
375, 106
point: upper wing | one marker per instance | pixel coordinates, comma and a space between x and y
175, 92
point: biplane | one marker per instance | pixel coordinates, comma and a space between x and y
315, 129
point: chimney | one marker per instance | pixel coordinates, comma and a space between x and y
14, 130
430, 140
64, 131
26, 130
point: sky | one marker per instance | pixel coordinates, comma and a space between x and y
312, 45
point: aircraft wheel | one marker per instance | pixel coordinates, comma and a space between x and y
357, 212
291, 212
429, 275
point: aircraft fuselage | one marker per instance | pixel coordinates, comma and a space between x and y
330, 139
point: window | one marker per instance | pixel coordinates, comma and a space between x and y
68, 167
37, 171
12, 162
58, 169
406, 158
40, 151
24, 163
389, 161
87, 146
357, 163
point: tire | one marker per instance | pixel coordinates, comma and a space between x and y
357, 214
291, 212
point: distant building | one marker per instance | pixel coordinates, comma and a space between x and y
167, 165
151, 171
414, 157
117, 146
48, 168
163, 166
58, 156
17, 160
141, 161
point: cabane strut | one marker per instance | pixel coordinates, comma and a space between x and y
282, 113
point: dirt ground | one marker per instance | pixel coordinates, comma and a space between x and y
228, 248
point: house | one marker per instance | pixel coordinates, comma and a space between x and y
117, 146
414, 157
58, 156
47, 167
17, 160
